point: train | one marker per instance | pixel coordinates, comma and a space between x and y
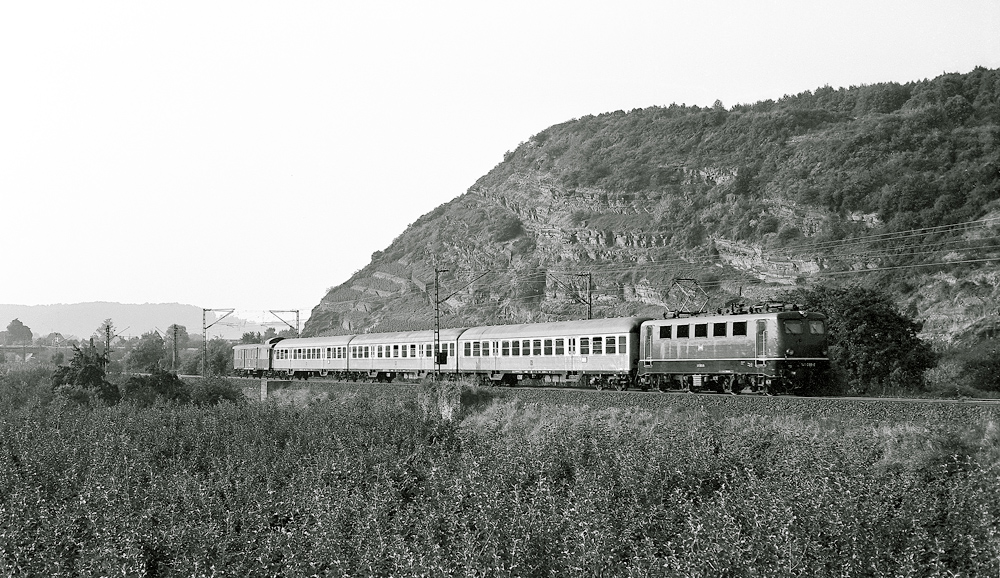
763, 350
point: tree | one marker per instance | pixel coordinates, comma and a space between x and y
147, 354
251, 337
84, 378
870, 340
18, 333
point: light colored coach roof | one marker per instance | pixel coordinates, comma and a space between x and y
331, 341
556, 328
406, 336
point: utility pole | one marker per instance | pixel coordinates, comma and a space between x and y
204, 331
173, 361
590, 298
437, 323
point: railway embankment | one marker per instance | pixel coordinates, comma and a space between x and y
712, 405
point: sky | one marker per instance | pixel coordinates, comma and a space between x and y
253, 154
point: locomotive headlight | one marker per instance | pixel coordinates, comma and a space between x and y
789, 351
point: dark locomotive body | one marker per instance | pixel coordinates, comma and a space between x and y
774, 352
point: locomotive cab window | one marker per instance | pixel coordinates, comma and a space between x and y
718, 330
665, 332
739, 327
701, 330
683, 331
793, 327
817, 327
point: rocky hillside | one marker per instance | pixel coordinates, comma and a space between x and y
686, 207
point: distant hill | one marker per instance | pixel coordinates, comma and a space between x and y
891, 185
81, 320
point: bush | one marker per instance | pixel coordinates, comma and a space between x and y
22, 384
160, 385
215, 389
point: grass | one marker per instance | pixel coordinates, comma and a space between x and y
453, 480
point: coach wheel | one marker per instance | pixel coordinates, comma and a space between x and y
598, 383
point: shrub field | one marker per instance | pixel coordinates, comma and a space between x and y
424, 481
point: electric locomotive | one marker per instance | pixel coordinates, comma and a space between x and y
762, 351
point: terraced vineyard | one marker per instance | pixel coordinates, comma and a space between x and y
417, 480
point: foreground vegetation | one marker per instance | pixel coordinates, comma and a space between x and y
393, 480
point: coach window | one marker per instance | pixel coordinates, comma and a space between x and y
505, 348
610, 345
547, 347
793, 327
560, 346
584, 346
404, 349
467, 350
515, 348
597, 345
701, 330
525, 347
536, 347
413, 350
718, 330
739, 327
683, 331
571, 345
476, 349
817, 327
395, 350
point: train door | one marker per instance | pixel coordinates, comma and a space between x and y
760, 345
647, 347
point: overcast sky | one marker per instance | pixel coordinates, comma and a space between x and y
252, 154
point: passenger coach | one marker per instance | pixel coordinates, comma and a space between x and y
598, 352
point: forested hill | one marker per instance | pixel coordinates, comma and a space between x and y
894, 185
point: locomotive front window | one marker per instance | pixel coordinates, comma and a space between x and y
817, 327
536, 347
610, 346
683, 331
665, 331
560, 348
793, 327
597, 345
516, 345
548, 347
584, 346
